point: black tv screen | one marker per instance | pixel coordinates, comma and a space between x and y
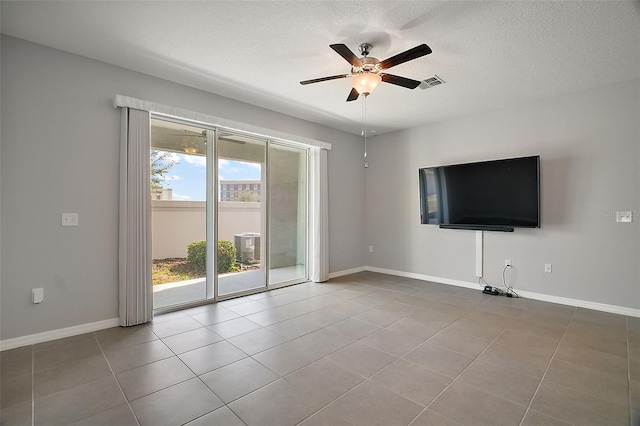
492, 195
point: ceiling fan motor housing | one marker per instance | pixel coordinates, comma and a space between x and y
365, 48
369, 64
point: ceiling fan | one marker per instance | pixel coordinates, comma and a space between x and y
367, 72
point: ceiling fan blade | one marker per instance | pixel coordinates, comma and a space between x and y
405, 56
353, 95
400, 81
346, 53
318, 80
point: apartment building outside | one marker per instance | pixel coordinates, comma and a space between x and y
240, 190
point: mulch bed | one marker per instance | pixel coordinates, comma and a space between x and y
178, 269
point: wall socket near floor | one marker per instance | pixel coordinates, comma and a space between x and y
547, 267
370, 249
507, 263
69, 219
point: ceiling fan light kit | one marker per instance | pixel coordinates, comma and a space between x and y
366, 82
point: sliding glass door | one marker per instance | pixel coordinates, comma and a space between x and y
241, 213
287, 214
178, 213
229, 213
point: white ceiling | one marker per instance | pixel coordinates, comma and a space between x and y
491, 54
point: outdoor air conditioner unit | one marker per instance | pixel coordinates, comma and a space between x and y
247, 247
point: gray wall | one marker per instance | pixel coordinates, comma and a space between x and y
589, 144
59, 153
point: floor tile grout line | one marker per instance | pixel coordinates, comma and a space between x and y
547, 370
158, 390
326, 357
116, 379
199, 377
368, 379
464, 369
248, 393
334, 399
289, 374
224, 404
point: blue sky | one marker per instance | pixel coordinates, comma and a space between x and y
188, 176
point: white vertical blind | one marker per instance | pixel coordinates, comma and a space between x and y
135, 287
319, 220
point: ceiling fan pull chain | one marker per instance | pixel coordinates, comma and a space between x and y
364, 123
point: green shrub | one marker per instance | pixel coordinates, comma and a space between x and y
226, 257
197, 256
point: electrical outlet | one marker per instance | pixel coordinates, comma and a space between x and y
507, 263
547, 267
624, 216
37, 295
69, 219
370, 249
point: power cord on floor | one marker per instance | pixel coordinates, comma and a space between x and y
505, 290
510, 291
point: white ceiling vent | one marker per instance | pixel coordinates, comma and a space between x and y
431, 82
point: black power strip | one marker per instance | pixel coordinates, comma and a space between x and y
495, 291
490, 290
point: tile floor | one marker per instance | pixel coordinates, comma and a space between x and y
365, 349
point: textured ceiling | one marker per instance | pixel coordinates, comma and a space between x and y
491, 54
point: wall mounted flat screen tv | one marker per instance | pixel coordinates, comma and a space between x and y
493, 195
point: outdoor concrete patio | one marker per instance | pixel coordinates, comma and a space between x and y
193, 290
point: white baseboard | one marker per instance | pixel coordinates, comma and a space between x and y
46, 336
346, 272
614, 309
423, 277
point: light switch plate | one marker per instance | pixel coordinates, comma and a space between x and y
69, 219
624, 216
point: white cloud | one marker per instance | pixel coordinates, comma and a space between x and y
179, 197
227, 166
171, 178
254, 165
196, 160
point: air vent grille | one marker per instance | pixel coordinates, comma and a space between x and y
431, 82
